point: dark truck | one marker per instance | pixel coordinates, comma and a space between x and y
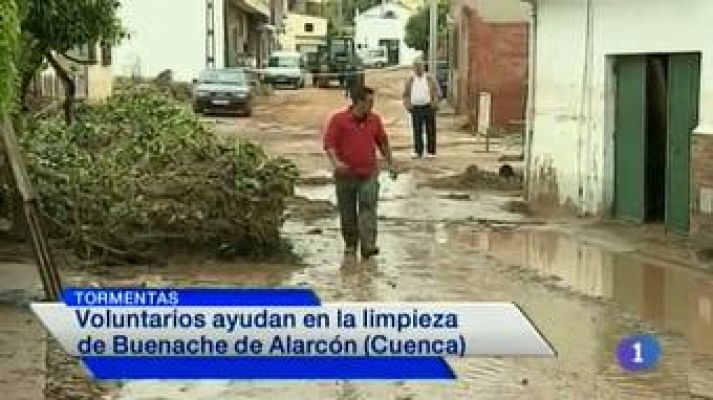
336, 61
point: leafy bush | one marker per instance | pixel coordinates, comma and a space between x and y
141, 171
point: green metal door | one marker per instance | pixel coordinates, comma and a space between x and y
683, 89
630, 138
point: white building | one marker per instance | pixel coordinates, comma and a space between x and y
385, 25
621, 109
173, 35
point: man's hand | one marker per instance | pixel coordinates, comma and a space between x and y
393, 173
340, 168
407, 105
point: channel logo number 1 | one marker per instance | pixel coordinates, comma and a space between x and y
638, 353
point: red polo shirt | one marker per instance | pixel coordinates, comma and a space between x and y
355, 142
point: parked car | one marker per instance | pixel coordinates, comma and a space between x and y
375, 58
286, 68
223, 90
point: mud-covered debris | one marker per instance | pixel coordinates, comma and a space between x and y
473, 178
316, 180
517, 206
704, 255
457, 196
310, 210
506, 171
511, 157
314, 231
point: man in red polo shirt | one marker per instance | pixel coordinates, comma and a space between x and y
351, 139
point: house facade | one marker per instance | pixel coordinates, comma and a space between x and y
621, 110
191, 35
249, 36
303, 33
385, 25
489, 60
93, 83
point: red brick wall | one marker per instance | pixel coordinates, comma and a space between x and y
701, 178
497, 57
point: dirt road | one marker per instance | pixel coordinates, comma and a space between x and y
584, 288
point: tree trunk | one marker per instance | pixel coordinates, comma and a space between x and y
31, 60
70, 88
25, 82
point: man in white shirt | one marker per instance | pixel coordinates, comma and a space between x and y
421, 96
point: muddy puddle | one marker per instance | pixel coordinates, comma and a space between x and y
674, 298
583, 295
405, 200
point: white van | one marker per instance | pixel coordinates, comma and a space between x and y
375, 58
286, 68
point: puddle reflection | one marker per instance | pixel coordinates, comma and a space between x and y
672, 297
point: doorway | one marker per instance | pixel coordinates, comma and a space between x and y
392, 50
656, 109
656, 139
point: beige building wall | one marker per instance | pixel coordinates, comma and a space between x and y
99, 83
297, 37
94, 83
413, 5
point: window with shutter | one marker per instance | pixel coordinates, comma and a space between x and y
92, 53
106, 54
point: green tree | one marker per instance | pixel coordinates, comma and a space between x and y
417, 27
54, 27
9, 44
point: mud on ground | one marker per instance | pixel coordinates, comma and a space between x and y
473, 178
302, 208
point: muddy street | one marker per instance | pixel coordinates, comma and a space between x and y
584, 285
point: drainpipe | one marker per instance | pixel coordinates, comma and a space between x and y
530, 115
226, 36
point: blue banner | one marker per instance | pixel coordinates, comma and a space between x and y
247, 334
143, 297
270, 368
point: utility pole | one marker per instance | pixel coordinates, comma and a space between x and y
340, 14
210, 34
433, 37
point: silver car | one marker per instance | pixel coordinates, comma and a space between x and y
227, 90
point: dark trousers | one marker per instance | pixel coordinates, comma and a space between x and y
424, 116
357, 200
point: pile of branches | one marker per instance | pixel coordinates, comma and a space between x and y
140, 172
